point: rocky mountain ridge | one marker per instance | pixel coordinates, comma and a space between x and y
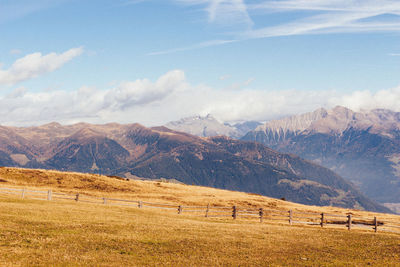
363, 147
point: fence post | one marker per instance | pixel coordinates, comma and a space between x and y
104, 200
234, 212
349, 222
208, 209
77, 197
140, 205
290, 217
261, 212
23, 193
49, 195
322, 219
179, 209
375, 224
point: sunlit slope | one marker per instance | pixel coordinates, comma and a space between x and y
180, 194
51, 233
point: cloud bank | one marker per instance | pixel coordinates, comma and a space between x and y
171, 97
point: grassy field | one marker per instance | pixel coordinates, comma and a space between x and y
66, 233
103, 186
36, 232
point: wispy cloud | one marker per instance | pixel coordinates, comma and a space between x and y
318, 17
394, 54
223, 11
33, 65
330, 16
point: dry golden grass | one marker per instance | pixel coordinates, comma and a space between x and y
44, 233
159, 192
66, 233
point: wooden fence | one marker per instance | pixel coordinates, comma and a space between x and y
290, 217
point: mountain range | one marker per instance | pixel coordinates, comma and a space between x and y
133, 150
363, 147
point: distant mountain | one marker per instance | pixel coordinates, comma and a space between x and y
363, 147
134, 150
209, 126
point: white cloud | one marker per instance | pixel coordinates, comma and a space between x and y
171, 97
359, 100
121, 104
33, 65
142, 92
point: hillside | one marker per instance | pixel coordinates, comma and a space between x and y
146, 190
134, 150
163, 191
77, 233
363, 147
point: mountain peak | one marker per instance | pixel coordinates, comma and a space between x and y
341, 109
335, 120
295, 124
209, 126
202, 126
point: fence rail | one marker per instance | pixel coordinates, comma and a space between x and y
262, 214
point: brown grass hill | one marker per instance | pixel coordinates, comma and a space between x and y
134, 150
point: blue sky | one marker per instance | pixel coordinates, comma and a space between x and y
152, 61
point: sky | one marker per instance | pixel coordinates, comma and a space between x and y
155, 61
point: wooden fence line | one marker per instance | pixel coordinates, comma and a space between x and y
262, 214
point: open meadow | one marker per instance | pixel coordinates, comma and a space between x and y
70, 233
